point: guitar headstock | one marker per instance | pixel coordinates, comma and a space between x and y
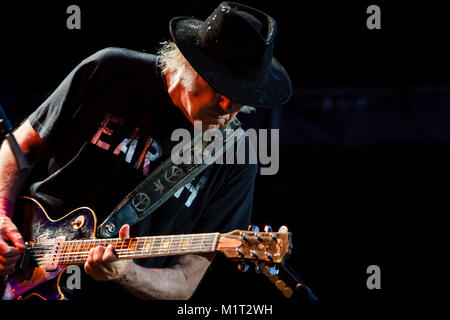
254, 246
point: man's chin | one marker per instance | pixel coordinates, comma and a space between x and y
211, 126
216, 124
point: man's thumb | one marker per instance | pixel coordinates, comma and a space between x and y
124, 232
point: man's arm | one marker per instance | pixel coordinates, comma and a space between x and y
176, 282
11, 184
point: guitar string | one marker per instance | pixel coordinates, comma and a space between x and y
163, 239
191, 245
162, 250
126, 254
136, 246
138, 250
75, 242
132, 252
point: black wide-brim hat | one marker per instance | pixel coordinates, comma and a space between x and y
232, 50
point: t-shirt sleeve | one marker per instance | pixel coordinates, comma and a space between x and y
78, 86
231, 207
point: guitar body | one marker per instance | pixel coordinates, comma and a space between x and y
38, 227
52, 245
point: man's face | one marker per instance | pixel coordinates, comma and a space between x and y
200, 102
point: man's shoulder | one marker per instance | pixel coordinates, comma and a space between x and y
115, 57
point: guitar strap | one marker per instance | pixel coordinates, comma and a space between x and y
169, 177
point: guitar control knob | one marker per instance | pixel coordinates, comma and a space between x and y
267, 229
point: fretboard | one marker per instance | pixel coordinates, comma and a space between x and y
77, 251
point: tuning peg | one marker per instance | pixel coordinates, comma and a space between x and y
243, 267
272, 271
258, 236
253, 228
244, 236
283, 229
254, 254
258, 268
239, 252
267, 229
268, 255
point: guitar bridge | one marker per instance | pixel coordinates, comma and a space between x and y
24, 260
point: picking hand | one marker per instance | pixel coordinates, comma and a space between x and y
9, 253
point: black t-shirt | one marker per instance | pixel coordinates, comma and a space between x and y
107, 126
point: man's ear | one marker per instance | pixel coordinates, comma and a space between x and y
225, 103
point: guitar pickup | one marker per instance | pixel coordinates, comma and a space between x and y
52, 264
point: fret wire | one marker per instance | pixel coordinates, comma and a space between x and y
82, 259
81, 245
123, 242
153, 244
96, 240
181, 241
169, 247
144, 246
173, 240
129, 243
192, 241
72, 246
128, 254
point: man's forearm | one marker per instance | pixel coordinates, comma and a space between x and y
177, 282
11, 180
158, 284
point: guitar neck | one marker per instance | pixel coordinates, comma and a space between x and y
77, 251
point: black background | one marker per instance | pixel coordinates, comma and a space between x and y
364, 140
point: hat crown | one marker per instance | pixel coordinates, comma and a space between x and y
232, 50
241, 38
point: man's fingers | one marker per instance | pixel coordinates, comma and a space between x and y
16, 238
109, 255
124, 232
12, 253
7, 270
8, 251
4, 248
98, 254
90, 261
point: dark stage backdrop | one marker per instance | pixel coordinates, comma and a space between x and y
364, 141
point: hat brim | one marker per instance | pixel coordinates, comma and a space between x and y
275, 92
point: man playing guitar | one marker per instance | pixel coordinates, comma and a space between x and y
109, 124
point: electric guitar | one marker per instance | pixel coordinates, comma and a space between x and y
54, 245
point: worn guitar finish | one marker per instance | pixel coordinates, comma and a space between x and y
54, 244
39, 229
